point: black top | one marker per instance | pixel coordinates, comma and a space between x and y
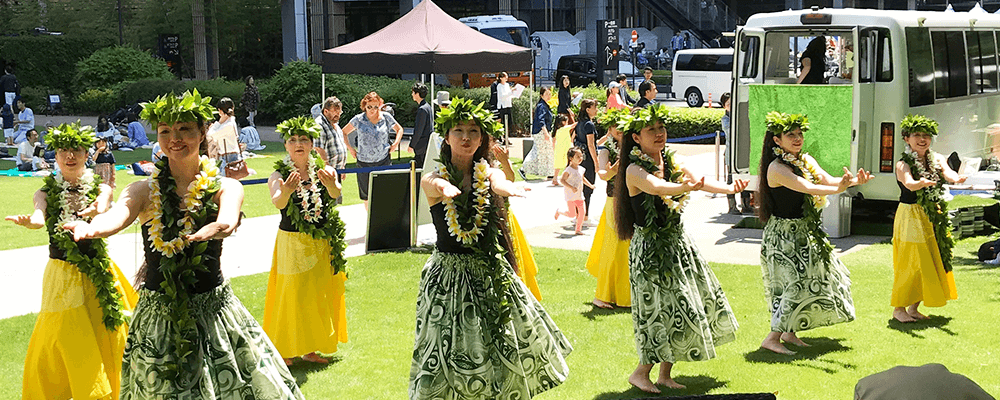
422, 128
640, 211
493, 95
565, 99
106, 157
583, 129
446, 243
906, 196
543, 118
643, 103
787, 203
206, 279
85, 246
9, 84
625, 97
816, 69
286, 222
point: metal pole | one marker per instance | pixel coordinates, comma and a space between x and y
322, 79
717, 155
413, 203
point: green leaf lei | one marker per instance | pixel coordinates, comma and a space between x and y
170, 109
778, 123
932, 201
70, 136
299, 126
644, 117
96, 268
496, 309
179, 270
332, 228
611, 117
461, 110
662, 224
919, 123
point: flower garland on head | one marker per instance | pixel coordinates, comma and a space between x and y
931, 198
464, 110
641, 118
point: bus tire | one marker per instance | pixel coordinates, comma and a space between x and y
693, 97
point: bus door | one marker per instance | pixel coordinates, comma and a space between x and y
864, 89
872, 78
747, 69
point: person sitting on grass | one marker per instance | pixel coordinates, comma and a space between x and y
26, 159
136, 133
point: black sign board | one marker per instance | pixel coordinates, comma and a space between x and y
169, 45
388, 210
607, 49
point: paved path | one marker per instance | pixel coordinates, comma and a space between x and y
250, 250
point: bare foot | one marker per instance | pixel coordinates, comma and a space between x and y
899, 314
313, 357
670, 383
917, 315
602, 304
556, 217
578, 233
776, 347
288, 362
789, 337
643, 383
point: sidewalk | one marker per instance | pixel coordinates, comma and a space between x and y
249, 251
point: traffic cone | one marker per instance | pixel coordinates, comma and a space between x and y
709, 103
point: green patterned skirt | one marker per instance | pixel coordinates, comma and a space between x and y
454, 357
234, 358
803, 291
678, 308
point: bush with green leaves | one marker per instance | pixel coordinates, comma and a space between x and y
37, 98
112, 65
96, 101
687, 122
147, 89
291, 92
217, 89
48, 61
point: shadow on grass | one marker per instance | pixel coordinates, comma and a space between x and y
594, 312
302, 369
912, 328
696, 385
819, 346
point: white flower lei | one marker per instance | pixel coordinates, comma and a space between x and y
191, 202
68, 213
934, 174
481, 202
311, 202
675, 203
808, 172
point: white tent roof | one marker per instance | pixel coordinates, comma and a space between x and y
557, 38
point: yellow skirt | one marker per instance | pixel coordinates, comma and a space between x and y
71, 353
916, 261
526, 268
608, 261
304, 310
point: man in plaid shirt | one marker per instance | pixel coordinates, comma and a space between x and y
330, 144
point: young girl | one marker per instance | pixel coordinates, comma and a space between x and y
104, 161
573, 182
79, 336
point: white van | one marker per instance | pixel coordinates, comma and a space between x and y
501, 27
702, 74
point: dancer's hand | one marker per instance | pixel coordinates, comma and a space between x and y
690, 185
214, 230
81, 230
289, 185
862, 177
25, 221
739, 185
924, 183
89, 212
961, 179
329, 179
449, 190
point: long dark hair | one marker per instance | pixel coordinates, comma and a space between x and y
226, 105
497, 201
624, 216
765, 200
816, 48
582, 115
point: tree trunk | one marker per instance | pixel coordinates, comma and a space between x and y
200, 49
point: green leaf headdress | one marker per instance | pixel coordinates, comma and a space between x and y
299, 126
70, 136
779, 123
611, 117
170, 109
461, 110
918, 123
643, 117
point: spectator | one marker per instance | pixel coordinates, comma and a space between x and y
623, 90
505, 98
7, 114
647, 94
374, 148
26, 159
106, 129
249, 136
927, 382
25, 121
676, 43
137, 132
443, 99
614, 96
156, 153
493, 95
812, 63
223, 137
422, 125
104, 161
9, 86
565, 101
687, 41
250, 99
330, 144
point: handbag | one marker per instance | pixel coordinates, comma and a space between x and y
236, 169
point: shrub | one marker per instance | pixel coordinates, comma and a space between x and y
687, 122
130, 92
217, 89
112, 65
291, 91
37, 98
48, 61
96, 101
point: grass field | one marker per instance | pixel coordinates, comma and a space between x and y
381, 297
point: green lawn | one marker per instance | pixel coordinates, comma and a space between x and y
381, 297
18, 192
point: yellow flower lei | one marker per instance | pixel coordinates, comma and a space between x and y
192, 201
481, 202
808, 172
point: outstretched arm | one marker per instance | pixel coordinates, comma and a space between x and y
230, 201
503, 187
646, 182
130, 203
36, 219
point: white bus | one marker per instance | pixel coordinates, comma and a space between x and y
702, 74
887, 64
502, 27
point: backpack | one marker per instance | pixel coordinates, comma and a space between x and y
989, 250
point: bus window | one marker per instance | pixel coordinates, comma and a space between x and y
921, 66
988, 61
751, 50
514, 35
951, 77
883, 57
864, 56
975, 68
783, 50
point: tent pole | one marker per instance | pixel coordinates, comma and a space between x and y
322, 80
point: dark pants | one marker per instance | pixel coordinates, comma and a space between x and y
418, 158
590, 173
363, 176
506, 117
25, 167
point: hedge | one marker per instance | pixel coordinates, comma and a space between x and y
112, 65
687, 122
48, 62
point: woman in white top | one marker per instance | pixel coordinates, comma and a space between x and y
223, 144
505, 97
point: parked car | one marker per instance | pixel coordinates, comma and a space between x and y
702, 73
582, 70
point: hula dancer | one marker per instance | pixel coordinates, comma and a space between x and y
479, 333
679, 310
305, 312
608, 258
524, 266
921, 232
76, 347
190, 336
807, 286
